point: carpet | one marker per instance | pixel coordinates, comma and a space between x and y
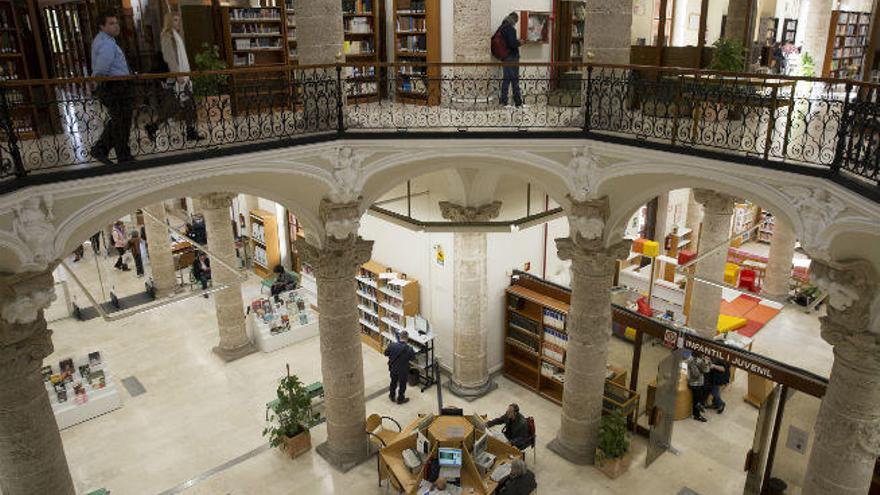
754, 309
750, 328
761, 314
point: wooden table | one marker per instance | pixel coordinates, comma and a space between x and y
392, 467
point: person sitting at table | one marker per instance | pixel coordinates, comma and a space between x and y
432, 470
202, 270
283, 281
516, 428
521, 481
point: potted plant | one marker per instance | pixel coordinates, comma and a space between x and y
613, 457
211, 91
729, 55
289, 417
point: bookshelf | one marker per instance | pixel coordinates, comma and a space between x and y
363, 26
848, 36
569, 37
290, 36
680, 239
14, 67
765, 230
789, 30
417, 41
744, 216
385, 299
264, 242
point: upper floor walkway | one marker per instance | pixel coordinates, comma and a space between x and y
51, 129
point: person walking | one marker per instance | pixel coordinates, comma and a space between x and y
697, 368
719, 375
134, 245
399, 355
116, 96
120, 242
96, 242
507, 34
178, 95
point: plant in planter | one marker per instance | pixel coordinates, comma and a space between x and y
613, 457
289, 416
730, 56
211, 90
808, 65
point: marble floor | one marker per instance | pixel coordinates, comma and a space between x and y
197, 428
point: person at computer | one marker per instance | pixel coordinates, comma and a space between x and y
516, 428
399, 355
521, 481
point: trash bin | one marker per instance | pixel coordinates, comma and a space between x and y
776, 486
413, 377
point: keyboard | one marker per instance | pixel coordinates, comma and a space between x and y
501, 472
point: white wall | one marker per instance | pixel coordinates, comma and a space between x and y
717, 9
676, 212
643, 11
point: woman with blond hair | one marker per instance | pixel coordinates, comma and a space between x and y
178, 95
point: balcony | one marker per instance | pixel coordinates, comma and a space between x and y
821, 127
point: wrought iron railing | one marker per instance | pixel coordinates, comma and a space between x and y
822, 126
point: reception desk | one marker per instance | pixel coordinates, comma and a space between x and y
444, 431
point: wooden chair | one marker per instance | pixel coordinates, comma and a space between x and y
381, 437
531, 421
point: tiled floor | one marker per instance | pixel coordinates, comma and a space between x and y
199, 413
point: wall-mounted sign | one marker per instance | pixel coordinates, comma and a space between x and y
439, 255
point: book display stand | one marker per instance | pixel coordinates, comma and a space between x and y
80, 389
277, 322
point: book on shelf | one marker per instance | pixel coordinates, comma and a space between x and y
357, 6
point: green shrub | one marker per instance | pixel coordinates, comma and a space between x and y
808, 65
290, 413
613, 438
728, 56
210, 84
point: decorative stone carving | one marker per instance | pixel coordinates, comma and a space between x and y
584, 169
458, 213
341, 220
589, 260
32, 224
217, 200
337, 259
714, 202
24, 297
587, 218
348, 172
818, 209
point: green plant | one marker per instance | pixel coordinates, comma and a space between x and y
613, 439
209, 84
728, 56
808, 65
290, 413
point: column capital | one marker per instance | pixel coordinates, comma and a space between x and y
714, 202
587, 219
216, 201
590, 259
24, 338
341, 220
852, 323
458, 213
336, 259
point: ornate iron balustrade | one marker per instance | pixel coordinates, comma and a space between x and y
819, 126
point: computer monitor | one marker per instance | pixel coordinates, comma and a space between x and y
423, 445
449, 457
421, 324
477, 421
426, 422
480, 445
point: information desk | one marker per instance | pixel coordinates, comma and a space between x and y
443, 431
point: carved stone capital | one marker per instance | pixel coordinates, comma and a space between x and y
216, 201
24, 338
588, 259
587, 220
458, 213
338, 260
852, 323
341, 220
348, 174
714, 203
818, 209
32, 224
585, 173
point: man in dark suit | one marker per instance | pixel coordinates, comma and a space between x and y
399, 355
202, 270
516, 428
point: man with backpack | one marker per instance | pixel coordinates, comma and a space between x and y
505, 47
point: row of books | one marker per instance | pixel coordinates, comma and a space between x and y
358, 47
554, 319
551, 371
556, 338
357, 25
406, 23
254, 14
257, 43
554, 352
357, 6
413, 6
256, 29
412, 43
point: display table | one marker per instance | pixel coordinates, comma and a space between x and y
96, 397
273, 326
447, 428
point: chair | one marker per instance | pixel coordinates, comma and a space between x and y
381, 437
731, 271
531, 422
747, 279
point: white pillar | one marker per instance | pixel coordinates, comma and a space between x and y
779, 261
159, 250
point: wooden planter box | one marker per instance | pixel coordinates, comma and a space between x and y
298, 445
612, 468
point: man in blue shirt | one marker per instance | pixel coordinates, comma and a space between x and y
116, 96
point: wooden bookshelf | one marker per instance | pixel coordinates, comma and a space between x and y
14, 67
848, 36
680, 238
384, 303
363, 24
569, 37
789, 30
417, 41
765, 230
290, 35
264, 242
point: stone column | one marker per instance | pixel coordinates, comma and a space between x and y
234, 342
471, 29
342, 365
705, 298
159, 250
589, 328
694, 217
779, 262
607, 31
816, 16
661, 219
319, 34
847, 429
741, 21
31, 455
470, 369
